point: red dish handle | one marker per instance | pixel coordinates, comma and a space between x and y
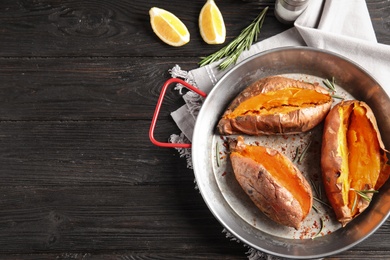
157, 111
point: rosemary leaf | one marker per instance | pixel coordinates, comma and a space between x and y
354, 204
323, 203
321, 222
363, 194
296, 155
304, 152
369, 191
241, 43
315, 188
316, 209
321, 228
336, 96
330, 84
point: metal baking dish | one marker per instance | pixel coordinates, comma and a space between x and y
229, 203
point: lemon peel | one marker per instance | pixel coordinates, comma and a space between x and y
168, 27
211, 24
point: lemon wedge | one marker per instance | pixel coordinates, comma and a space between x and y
211, 24
168, 27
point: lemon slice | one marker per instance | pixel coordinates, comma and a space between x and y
211, 24
168, 27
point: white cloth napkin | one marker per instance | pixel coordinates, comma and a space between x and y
340, 26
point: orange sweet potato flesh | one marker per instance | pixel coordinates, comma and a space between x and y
272, 182
276, 105
353, 158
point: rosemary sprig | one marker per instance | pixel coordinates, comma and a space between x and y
363, 194
330, 84
299, 157
242, 42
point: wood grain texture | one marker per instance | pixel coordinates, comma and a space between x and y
121, 28
95, 218
112, 28
86, 88
86, 153
80, 179
380, 17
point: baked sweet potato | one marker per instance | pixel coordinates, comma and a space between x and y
353, 159
276, 105
272, 181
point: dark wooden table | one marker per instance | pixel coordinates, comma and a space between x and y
79, 177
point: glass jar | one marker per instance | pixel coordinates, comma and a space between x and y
287, 11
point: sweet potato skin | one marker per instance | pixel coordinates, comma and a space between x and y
296, 121
269, 195
331, 166
332, 161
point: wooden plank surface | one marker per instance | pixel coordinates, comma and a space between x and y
111, 28
85, 88
79, 176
